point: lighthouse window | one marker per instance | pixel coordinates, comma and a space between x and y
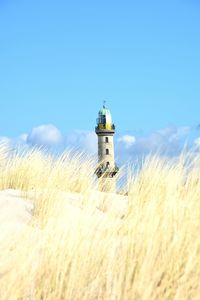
107, 151
107, 140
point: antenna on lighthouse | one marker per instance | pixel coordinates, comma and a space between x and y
104, 103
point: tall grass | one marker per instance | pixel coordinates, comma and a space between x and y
75, 250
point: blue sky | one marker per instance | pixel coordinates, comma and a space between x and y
60, 59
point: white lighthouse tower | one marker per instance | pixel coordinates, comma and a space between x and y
107, 168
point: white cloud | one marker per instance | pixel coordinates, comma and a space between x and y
45, 135
23, 137
5, 140
85, 140
174, 133
128, 140
128, 147
50, 136
167, 141
197, 142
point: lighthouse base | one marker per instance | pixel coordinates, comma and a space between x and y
107, 185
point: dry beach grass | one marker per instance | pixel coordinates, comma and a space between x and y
79, 244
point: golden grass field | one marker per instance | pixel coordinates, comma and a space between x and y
84, 245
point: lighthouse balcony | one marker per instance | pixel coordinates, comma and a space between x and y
105, 128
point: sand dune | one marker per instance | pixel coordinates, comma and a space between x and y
16, 212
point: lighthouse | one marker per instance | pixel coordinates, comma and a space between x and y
107, 168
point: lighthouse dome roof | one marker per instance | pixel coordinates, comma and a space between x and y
104, 116
104, 111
